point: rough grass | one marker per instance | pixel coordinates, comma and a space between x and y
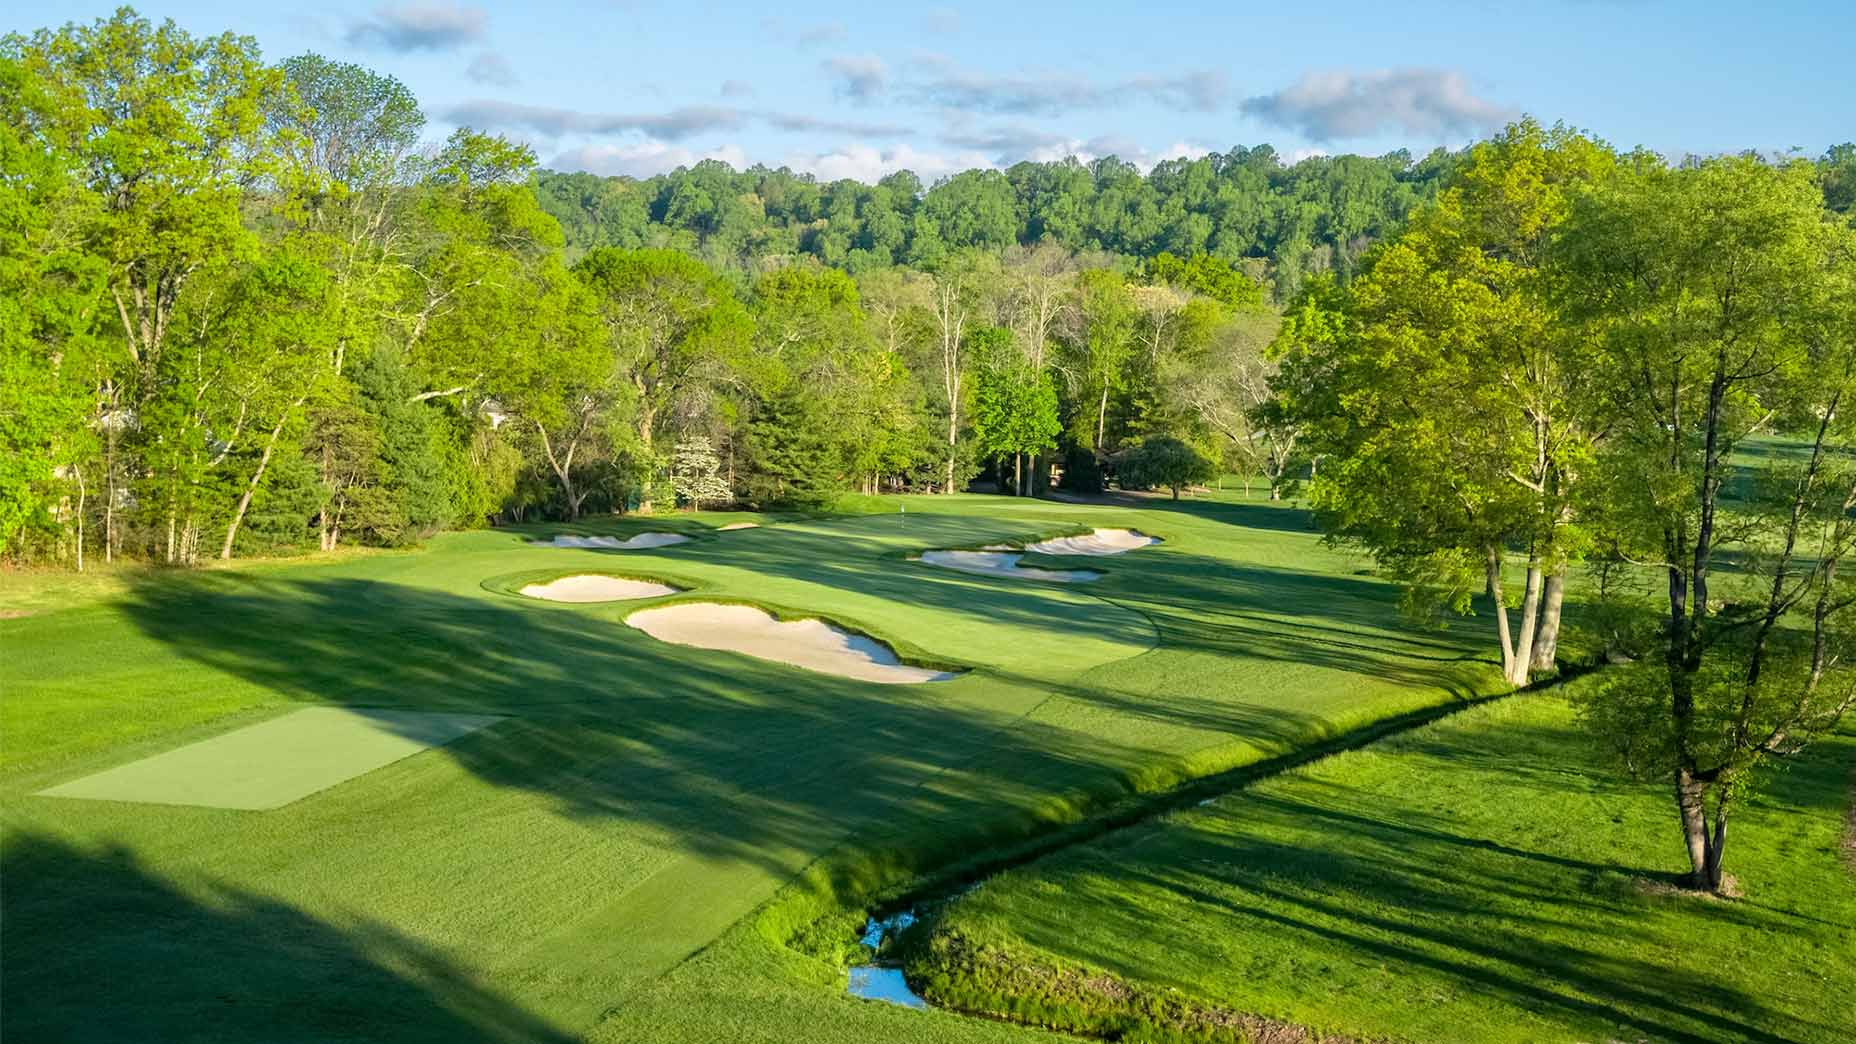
587, 868
1482, 879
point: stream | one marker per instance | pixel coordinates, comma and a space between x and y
882, 981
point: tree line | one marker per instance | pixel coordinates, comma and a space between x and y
1278, 222
1580, 357
247, 308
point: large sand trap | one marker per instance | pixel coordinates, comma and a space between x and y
739, 525
1100, 542
636, 543
995, 561
812, 644
275, 762
594, 588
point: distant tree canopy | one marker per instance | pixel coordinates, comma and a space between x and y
1245, 207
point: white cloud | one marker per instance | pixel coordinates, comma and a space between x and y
552, 122
409, 27
936, 80
492, 69
868, 163
861, 77
1329, 106
643, 159
823, 33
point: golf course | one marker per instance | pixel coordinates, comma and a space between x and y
637, 524
583, 830
444, 809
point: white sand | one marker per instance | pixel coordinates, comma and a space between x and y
1001, 562
1100, 542
636, 543
811, 644
594, 588
739, 525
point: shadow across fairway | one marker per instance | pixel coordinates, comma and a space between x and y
99, 947
1317, 872
731, 756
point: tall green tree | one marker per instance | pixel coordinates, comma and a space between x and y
1722, 295
51, 298
1097, 349
1455, 415
670, 324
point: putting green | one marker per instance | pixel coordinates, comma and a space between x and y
272, 763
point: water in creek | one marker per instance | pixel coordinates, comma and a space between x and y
880, 981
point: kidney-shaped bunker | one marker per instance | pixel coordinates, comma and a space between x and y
812, 644
592, 587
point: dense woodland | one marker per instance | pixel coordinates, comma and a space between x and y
251, 308
247, 307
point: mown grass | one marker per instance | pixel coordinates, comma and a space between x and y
1486, 878
586, 868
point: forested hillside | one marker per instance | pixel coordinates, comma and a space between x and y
250, 306
1247, 207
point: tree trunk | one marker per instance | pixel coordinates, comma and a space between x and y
1705, 847
953, 441
647, 428
563, 472
1494, 582
244, 500
80, 519
109, 496
1032, 489
1102, 416
1018, 474
1530, 619
1547, 638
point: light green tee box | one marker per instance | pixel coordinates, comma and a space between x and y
275, 762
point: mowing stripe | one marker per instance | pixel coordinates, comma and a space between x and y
275, 762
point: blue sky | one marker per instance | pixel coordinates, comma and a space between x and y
861, 89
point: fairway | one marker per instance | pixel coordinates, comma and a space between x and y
271, 764
623, 857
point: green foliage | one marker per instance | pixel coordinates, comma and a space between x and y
1243, 207
796, 461
1014, 407
1163, 461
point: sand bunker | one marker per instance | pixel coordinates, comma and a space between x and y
739, 525
636, 543
594, 588
812, 644
996, 561
1100, 542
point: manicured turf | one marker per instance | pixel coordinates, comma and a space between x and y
270, 764
588, 866
1482, 879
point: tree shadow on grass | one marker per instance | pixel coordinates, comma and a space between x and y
1317, 873
734, 757
101, 948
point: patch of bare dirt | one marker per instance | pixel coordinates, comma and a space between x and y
1730, 888
14, 614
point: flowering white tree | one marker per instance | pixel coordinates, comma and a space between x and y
695, 473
